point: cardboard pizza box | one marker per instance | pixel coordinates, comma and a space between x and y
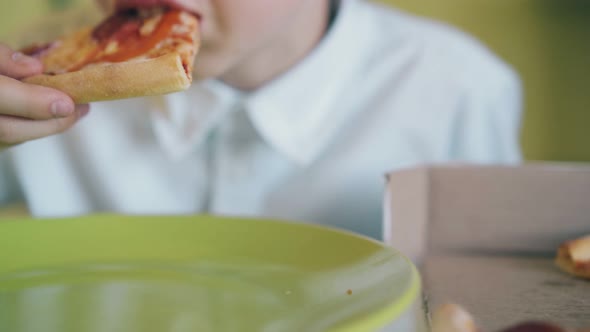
512, 209
486, 236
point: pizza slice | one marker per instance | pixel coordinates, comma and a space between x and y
135, 52
574, 257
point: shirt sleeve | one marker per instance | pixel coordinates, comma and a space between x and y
486, 126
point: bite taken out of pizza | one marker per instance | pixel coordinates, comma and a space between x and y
132, 53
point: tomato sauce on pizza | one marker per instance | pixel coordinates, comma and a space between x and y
133, 34
135, 52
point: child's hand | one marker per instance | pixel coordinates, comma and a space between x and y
28, 111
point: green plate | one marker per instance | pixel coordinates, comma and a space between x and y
196, 273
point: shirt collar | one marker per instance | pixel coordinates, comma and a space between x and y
182, 121
302, 119
298, 119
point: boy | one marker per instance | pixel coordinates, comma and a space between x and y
299, 109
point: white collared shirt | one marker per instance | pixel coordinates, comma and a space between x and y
382, 91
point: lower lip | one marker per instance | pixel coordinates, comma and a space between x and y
148, 3
125, 4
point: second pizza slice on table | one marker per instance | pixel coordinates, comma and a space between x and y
574, 257
133, 53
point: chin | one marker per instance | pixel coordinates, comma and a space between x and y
207, 67
200, 74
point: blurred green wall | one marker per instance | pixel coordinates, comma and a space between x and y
15, 13
26, 21
546, 41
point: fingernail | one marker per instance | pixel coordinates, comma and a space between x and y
61, 108
21, 58
83, 111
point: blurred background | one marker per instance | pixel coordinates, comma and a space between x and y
546, 41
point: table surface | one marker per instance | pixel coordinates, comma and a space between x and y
503, 290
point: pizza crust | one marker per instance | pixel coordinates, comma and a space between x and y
452, 318
574, 257
161, 75
107, 62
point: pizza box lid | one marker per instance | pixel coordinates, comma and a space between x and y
529, 208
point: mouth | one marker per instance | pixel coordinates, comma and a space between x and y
177, 4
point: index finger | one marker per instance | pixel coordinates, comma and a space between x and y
32, 101
17, 65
